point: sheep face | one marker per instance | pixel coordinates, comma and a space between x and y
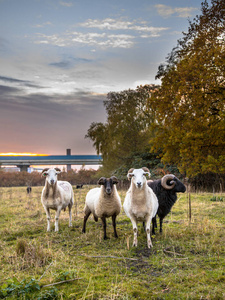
108, 183
138, 176
51, 175
179, 186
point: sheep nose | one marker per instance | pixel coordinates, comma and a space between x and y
139, 184
52, 181
108, 191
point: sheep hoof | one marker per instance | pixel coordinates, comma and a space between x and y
149, 245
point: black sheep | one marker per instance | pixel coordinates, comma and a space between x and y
166, 190
29, 189
79, 186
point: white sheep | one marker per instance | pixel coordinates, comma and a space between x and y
103, 202
140, 203
56, 195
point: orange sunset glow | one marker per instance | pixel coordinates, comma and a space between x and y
21, 154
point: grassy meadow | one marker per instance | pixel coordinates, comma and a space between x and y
187, 260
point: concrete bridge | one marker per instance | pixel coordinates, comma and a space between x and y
23, 162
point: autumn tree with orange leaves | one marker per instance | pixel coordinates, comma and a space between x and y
190, 104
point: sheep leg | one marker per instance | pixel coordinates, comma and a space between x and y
161, 221
134, 223
47, 210
70, 215
149, 242
57, 218
87, 214
144, 226
104, 227
154, 225
114, 225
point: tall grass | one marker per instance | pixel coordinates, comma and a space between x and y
187, 260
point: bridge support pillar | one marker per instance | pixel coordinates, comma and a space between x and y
68, 152
23, 167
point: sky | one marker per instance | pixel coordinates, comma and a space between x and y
59, 59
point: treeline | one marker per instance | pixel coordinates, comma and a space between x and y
178, 126
83, 176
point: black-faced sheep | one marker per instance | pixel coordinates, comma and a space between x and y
166, 190
29, 190
56, 195
103, 202
79, 186
140, 203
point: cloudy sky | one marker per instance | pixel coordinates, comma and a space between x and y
59, 59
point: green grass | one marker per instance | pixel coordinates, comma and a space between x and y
187, 261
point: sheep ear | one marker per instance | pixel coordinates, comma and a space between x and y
114, 180
101, 181
130, 173
146, 170
44, 172
57, 170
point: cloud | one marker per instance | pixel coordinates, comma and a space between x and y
117, 34
101, 40
20, 82
112, 24
44, 126
42, 25
13, 80
69, 62
5, 90
168, 11
66, 4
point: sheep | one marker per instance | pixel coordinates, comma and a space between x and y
166, 190
103, 202
29, 190
79, 186
56, 195
140, 203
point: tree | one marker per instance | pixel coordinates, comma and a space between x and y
126, 133
190, 104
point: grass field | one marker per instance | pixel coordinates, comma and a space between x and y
187, 260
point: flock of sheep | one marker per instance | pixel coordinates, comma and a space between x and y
144, 200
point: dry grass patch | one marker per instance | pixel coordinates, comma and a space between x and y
186, 261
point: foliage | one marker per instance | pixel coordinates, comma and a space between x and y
26, 289
217, 198
84, 176
208, 182
186, 261
19, 288
126, 134
190, 105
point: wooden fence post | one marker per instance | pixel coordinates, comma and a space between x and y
189, 202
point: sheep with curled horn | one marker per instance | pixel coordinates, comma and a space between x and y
166, 190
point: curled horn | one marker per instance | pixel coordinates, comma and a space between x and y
164, 180
57, 170
129, 174
44, 171
146, 170
101, 181
114, 180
